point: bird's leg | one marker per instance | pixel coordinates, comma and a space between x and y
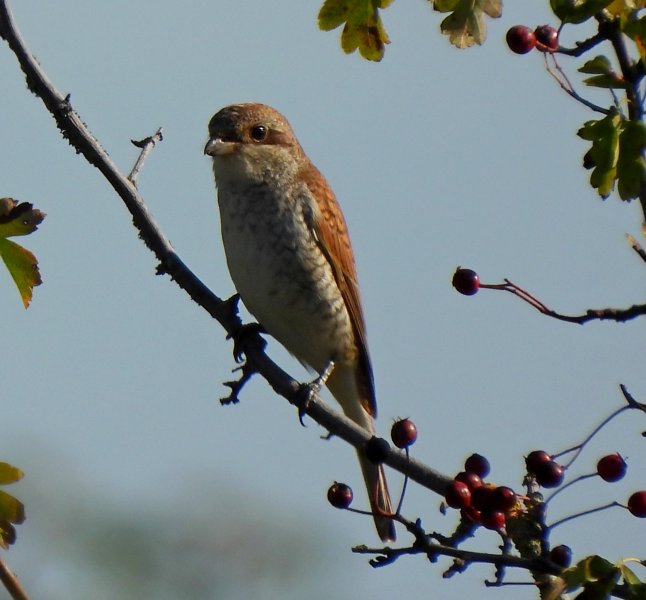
309, 390
244, 334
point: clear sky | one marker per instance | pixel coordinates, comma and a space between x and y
110, 381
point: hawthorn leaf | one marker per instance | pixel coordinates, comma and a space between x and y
466, 26
631, 166
11, 509
363, 29
599, 65
577, 11
18, 219
603, 155
9, 474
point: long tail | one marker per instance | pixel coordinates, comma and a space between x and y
343, 385
379, 498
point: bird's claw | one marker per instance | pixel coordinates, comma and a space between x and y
246, 334
311, 389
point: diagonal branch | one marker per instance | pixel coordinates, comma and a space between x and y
81, 139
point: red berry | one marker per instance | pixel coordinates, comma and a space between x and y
377, 449
339, 495
504, 498
469, 513
457, 495
493, 519
482, 497
550, 475
535, 460
561, 556
521, 39
478, 464
637, 504
611, 467
471, 479
403, 433
466, 281
547, 38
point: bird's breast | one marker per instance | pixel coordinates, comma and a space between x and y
283, 277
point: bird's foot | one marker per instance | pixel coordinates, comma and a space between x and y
311, 389
244, 336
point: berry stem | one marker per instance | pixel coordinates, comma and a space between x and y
568, 484
404, 486
579, 447
583, 513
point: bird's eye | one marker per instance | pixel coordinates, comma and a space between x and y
259, 133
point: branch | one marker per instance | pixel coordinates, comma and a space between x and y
81, 139
424, 545
11, 582
593, 314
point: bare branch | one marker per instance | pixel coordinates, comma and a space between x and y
146, 145
593, 314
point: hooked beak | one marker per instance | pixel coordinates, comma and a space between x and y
217, 147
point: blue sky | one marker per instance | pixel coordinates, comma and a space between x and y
439, 157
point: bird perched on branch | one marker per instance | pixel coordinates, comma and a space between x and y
290, 258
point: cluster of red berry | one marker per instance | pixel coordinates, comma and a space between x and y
522, 39
484, 503
478, 501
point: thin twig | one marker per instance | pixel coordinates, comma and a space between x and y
636, 246
594, 314
424, 545
146, 145
567, 87
583, 513
11, 582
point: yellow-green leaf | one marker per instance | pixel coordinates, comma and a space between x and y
23, 268
18, 218
9, 474
466, 25
577, 11
363, 29
605, 81
11, 509
334, 13
445, 5
599, 65
603, 155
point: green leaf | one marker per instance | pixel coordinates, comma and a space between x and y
577, 11
599, 65
334, 13
19, 219
605, 81
11, 509
629, 576
604, 153
9, 474
445, 5
631, 166
466, 25
363, 29
23, 268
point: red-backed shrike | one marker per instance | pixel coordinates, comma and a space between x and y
290, 258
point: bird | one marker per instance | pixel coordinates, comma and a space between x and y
289, 256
